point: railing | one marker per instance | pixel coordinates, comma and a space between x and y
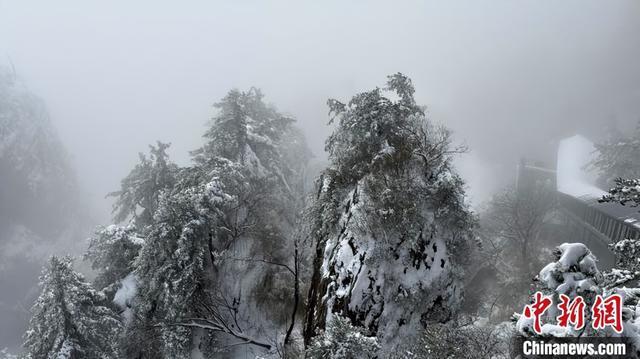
610, 220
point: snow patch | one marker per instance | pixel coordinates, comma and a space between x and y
124, 296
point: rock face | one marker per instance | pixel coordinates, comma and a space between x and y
390, 238
383, 278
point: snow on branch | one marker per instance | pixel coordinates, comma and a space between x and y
218, 326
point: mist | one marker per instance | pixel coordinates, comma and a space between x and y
119, 76
510, 79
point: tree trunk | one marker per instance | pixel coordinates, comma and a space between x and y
296, 294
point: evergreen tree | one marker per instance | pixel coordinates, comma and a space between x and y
246, 131
342, 340
171, 269
113, 250
69, 320
217, 239
112, 253
461, 339
254, 244
142, 187
625, 191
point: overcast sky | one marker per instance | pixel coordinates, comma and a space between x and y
509, 77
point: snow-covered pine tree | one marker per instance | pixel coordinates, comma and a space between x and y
113, 249
271, 156
69, 320
626, 192
140, 190
389, 221
342, 340
215, 255
175, 269
247, 131
112, 252
462, 339
572, 273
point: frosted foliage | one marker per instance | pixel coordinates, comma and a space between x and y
246, 131
69, 319
342, 340
462, 340
180, 260
140, 190
625, 191
112, 251
171, 263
